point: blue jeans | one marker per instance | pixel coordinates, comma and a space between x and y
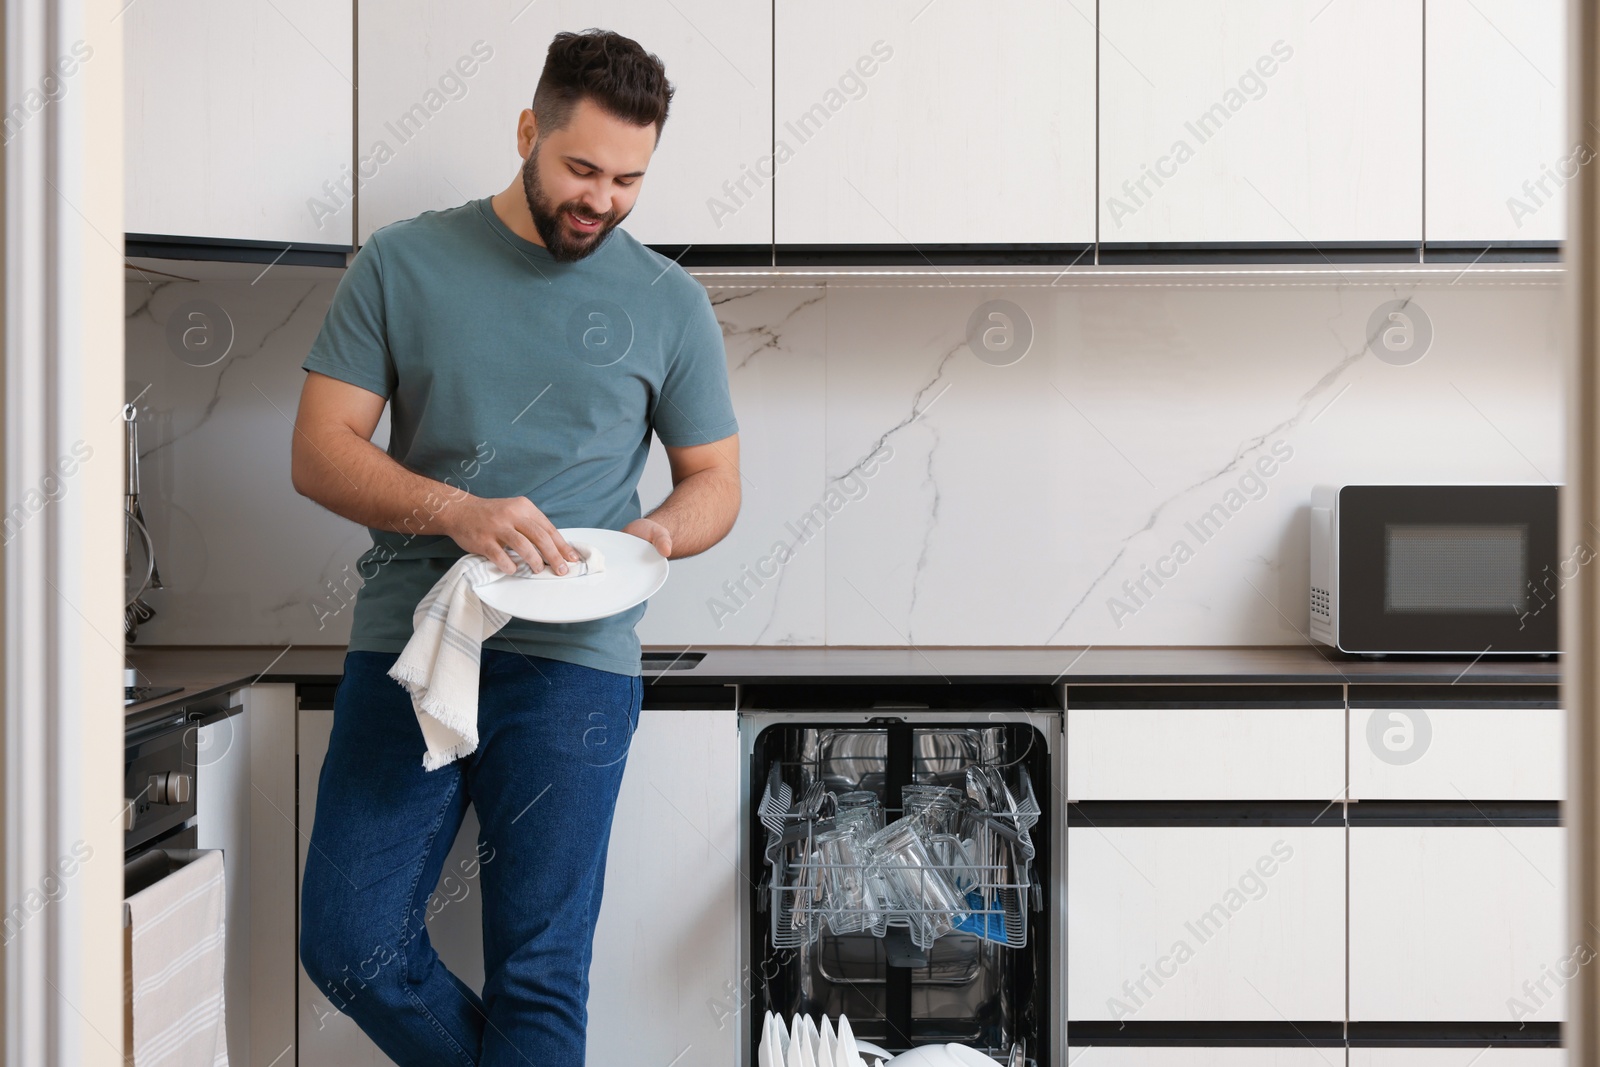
552, 740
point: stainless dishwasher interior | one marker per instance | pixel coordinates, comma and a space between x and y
992, 992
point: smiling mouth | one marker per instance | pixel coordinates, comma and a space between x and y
583, 224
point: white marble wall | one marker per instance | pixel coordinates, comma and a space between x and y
1008, 504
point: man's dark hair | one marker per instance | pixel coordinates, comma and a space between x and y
608, 68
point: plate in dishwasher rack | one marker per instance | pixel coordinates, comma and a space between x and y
633, 571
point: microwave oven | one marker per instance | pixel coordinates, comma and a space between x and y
1441, 569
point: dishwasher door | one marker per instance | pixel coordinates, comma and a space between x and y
987, 984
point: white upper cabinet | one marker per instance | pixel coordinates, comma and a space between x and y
934, 121
238, 118
442, 86
1260, 120
1497, 148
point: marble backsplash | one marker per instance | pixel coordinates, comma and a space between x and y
899, 489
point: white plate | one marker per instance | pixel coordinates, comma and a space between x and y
634, 570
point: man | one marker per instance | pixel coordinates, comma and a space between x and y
529, 349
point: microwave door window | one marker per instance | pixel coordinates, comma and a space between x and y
1455, 569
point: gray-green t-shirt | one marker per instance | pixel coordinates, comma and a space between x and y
509, 374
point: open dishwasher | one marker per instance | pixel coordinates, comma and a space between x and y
899, 843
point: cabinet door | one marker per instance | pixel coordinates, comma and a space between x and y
1459, 923
1155, 1056
663, 972
222, 798
1458, 1057
238, 118
328, 1038
1233, 923
1497, 149
663, 986
244, 800
272, 961
432, 135
1205, 753
1457, 754
910, 122
1260, 120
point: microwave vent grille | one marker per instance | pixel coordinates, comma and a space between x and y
1321, 604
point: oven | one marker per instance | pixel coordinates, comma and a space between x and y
160, 824
840, 919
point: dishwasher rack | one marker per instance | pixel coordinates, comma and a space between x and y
988, 862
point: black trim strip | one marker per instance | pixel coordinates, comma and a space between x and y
227, 250
890, 698
1102, 813
1248, 253
922, 255
1207, 1034
1204, 696
1316, 1034
231, 250
1454, 1035
316, 696
1455, 696
680, 697
1455, 813
1499, 813
716, 255
1491, 252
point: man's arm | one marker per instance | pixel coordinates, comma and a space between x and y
703, 503
334, 462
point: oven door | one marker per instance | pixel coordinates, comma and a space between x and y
144, 867
1469, 569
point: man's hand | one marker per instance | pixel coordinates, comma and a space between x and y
653, 532
490, 525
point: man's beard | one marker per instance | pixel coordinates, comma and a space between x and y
564, 248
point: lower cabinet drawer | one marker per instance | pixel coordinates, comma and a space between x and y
1459, 924
1205, 753
1457, 754
1177, 1056
1198, 923
1458, 1057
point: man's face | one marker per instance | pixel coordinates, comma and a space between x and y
581, 180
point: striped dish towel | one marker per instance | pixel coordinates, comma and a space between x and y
439, 665
175, 968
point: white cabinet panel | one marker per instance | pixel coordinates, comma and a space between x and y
222, 796
1458, 923
244, 799
236, 116
1497, 148
1241, 923
665, 976
906, 121
329, 1038
462, 144
1261, 120
1457, 1057
1205, 753
1457, 753
1160, 1056
269, 718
